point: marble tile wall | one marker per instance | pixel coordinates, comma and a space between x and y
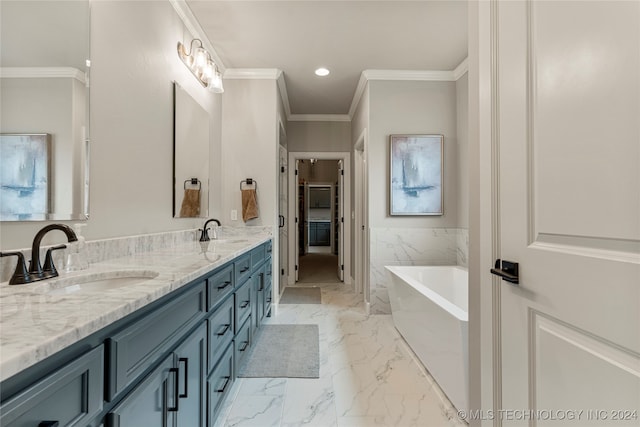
411, 246
462, 246
105, 249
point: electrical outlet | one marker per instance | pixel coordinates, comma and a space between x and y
234, 215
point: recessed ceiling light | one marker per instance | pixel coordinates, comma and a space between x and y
322, 72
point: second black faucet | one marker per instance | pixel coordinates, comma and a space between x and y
204, 237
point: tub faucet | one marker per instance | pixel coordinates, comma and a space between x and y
204, 237
36, 271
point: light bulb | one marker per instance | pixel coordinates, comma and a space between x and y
200, 57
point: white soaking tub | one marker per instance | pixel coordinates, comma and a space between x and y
429, 308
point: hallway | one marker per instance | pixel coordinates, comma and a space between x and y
318, 268
368, 375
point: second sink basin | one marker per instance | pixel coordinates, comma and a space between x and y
99, 281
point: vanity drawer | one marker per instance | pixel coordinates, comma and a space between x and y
220, 331
219, 383
243, 268
141, 344
219, 285
72, 395
257, 256
243, 304
243, 343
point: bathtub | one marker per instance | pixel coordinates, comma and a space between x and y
429, 309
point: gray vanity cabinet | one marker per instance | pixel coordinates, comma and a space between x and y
220, 330
137, 347
151, 403
260, 290
71, 395
173, 393
219, 383
170, 364
243, 304
191, 362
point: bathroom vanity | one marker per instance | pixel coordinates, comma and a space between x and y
163, 351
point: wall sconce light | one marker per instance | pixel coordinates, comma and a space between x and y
201, 65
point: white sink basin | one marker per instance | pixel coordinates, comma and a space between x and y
98, 281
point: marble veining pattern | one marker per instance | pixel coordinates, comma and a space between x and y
411, 246
368, 376
36, 323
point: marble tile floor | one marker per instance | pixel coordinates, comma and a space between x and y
368, 376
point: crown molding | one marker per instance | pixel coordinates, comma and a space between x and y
319, 118
362, 84
405, 75
252, 73
191, 22
461, 69
408, 75
282, 87
42, 73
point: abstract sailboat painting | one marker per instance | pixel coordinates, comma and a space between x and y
416, 174
25, 176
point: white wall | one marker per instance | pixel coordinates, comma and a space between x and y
409, 107
359, 124
319, 136
250, 147
133, 67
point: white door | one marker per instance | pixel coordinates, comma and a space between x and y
568, 144
340, 222
283, 208
299, 219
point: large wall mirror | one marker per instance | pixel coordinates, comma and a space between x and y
44, 96
190, 156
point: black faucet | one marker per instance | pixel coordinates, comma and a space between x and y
204, 237
36, 271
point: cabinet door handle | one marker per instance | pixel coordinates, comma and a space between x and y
244, 346
227, 283
49, 424
224, 387
244, 304
186, 377
244, 269
261, 282
176, 390
224, 330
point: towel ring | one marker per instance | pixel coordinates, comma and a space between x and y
249, 181
193, 181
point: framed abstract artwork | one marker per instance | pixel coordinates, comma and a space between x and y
416, 174
25, 176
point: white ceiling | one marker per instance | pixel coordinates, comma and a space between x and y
347, 37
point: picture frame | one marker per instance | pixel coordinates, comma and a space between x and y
25, 176
416, 175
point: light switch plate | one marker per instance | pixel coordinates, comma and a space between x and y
234, 215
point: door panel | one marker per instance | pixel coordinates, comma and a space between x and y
283, 210
568, 102
340, 222
191, 357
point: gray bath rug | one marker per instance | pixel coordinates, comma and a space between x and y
301, 295
284, 351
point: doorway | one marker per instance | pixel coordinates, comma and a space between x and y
320, 191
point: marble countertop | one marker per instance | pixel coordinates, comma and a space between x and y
38, 319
